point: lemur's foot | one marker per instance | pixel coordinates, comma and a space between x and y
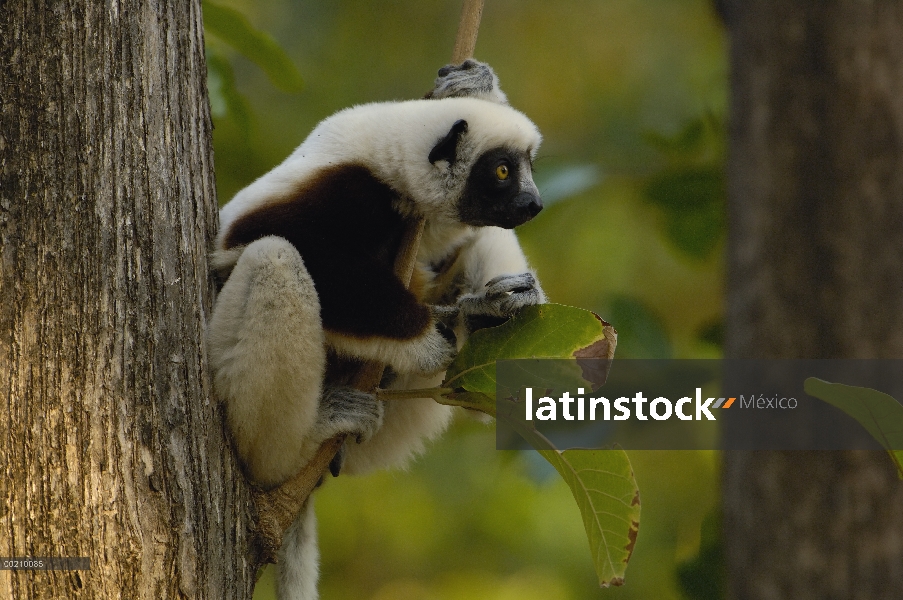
351, 411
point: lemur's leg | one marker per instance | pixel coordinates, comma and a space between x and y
268, 357
299, 558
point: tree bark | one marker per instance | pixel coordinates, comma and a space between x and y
111, 444
815, 270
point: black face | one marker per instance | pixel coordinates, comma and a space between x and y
500, 191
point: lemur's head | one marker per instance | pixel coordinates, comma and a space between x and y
497, 175
491, 149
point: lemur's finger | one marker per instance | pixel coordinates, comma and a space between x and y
338, 461
505, 284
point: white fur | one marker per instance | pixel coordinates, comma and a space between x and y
407, 426
494, 251
429, 353
393, 139
298, 568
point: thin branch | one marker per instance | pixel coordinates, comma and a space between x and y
436, 394
278, 508
468, 28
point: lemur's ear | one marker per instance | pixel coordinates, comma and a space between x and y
447, 147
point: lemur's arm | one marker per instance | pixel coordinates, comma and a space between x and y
489, 282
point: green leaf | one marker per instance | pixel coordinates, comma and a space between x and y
701, 138
712, 333
471, 400
606, 492
542, 331
605, 489
704, 576
686, 141
601, 481
233, 28
880, 414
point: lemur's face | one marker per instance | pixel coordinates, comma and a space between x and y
500, 190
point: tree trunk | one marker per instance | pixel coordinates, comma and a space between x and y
815, 270
111, 446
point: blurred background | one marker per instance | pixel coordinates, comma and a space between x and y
630, 96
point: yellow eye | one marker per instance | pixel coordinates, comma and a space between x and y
501, 172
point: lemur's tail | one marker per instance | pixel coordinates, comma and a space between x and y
299, 558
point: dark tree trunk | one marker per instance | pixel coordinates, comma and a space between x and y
111, 445
815, 270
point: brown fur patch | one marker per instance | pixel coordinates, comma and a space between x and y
343, 225
421, 280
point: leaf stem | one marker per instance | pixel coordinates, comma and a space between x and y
436, 393
442, 395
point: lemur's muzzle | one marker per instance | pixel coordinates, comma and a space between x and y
524, 207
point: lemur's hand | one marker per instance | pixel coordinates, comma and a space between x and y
503, 296
437, 350
351, 411
471, 78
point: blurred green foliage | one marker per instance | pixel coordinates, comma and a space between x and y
704, 577
691, 190
641, 334
233, 28
630, 96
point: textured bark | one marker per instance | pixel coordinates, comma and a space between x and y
815, 271
111, 445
